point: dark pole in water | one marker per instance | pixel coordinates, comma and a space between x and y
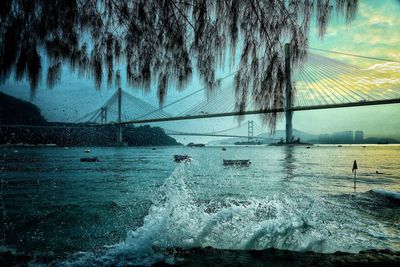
355, 180
354, 170
288, 112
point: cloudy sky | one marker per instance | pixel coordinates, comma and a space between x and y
375, 32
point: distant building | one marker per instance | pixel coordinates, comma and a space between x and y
358, 137
325, 138
345, 137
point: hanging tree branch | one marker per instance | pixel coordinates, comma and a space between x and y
94, 36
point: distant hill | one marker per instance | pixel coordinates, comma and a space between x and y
17, 111
305, 137
268, 139
147, 136
376, 140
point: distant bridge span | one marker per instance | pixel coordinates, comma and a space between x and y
218, 135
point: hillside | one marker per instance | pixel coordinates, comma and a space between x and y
268, 139
17, 111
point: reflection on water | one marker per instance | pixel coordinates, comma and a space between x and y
136, 199
289, 162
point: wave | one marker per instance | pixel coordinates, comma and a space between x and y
387, 194
297, 221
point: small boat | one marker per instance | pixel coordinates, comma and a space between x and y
91, 159
195, 145
223, 148
182, 158
236, 162
87, 150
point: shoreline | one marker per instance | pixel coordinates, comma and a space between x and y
209, 256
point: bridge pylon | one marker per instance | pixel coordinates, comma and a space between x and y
119, 95
288, 96
103, 115
250, 131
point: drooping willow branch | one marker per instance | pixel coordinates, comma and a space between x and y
163, 41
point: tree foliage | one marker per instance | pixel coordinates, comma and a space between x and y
163, 41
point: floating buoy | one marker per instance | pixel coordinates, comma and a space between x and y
182, 158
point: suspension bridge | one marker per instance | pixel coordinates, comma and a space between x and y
323, 82
250, 125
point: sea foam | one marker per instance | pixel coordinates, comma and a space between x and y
299, 221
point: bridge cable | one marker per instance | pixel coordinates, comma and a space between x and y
353, 55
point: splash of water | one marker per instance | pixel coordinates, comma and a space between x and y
299, 221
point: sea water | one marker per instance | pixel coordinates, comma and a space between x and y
136, 204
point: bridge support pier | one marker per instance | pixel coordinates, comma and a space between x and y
119, 94
250, 131
288, 96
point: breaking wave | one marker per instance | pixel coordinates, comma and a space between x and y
299, 221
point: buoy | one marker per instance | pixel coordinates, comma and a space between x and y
354, 170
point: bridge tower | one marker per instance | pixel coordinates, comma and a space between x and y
250, 132
288, 96
119, 95
103, 115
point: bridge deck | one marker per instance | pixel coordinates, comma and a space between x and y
228, 114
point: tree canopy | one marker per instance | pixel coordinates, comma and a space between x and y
163, 41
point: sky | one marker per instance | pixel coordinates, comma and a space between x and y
375, 32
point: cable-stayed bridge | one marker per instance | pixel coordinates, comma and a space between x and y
323, 82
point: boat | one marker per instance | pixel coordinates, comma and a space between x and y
87, 150
195, 145
91, 159
182, 158
236, 162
